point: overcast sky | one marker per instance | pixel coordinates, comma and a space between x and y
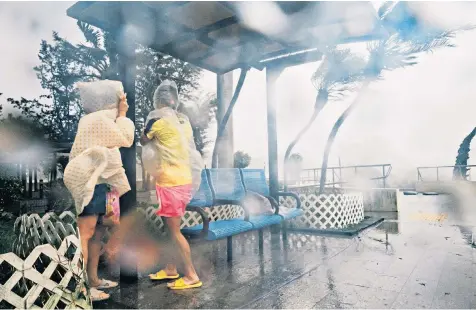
414, 117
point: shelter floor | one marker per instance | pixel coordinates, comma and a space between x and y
419, 258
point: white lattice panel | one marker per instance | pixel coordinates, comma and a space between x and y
48, 278
193, 218
320, 211
328, 210
33, 230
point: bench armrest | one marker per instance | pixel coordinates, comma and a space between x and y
204, 215
274, 204
289, 194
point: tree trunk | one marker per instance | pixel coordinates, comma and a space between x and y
460, 170
333, 134
321, 101
222, 125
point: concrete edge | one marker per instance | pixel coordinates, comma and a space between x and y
368, 222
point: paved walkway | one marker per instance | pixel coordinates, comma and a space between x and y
420, 258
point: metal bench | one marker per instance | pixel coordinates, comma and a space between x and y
228, 190
227, 186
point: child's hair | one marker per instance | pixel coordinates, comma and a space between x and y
99, 95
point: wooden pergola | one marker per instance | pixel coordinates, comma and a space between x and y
223, 36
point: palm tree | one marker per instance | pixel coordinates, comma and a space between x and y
386, 55
460, 172
336, 76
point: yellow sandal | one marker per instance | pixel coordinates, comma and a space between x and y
162, 275
181, 285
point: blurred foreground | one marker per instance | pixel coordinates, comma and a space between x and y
418, 258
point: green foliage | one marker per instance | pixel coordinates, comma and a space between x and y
339, 73
460, 172
10, 191
204, 113
241, 159
63, 64
7, 237
59, 197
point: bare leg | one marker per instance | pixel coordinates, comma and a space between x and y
94, 250
173, 224
170, 253
87, 227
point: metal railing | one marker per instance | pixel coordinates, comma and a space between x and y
312, 176
440, 169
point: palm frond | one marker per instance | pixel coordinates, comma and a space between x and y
90, 34
430, 41
339, 73
395, 52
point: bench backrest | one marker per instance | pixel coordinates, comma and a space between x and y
204, 196
226, 184
255, 180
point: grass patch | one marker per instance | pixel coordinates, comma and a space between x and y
7, 236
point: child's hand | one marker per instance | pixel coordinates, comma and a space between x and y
123, 107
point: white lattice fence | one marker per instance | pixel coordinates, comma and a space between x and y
327, 211
48, 278
33, 230
193, 218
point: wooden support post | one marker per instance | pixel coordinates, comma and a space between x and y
128, 202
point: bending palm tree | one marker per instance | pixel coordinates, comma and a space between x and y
389, 54
335, 76
226, 117
460, 172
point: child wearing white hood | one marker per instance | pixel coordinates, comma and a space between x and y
172, 164
95, 168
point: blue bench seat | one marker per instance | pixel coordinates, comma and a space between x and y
262, 221
219, 229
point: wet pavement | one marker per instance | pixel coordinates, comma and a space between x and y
418, 258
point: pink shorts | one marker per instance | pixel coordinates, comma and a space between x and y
173, 200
